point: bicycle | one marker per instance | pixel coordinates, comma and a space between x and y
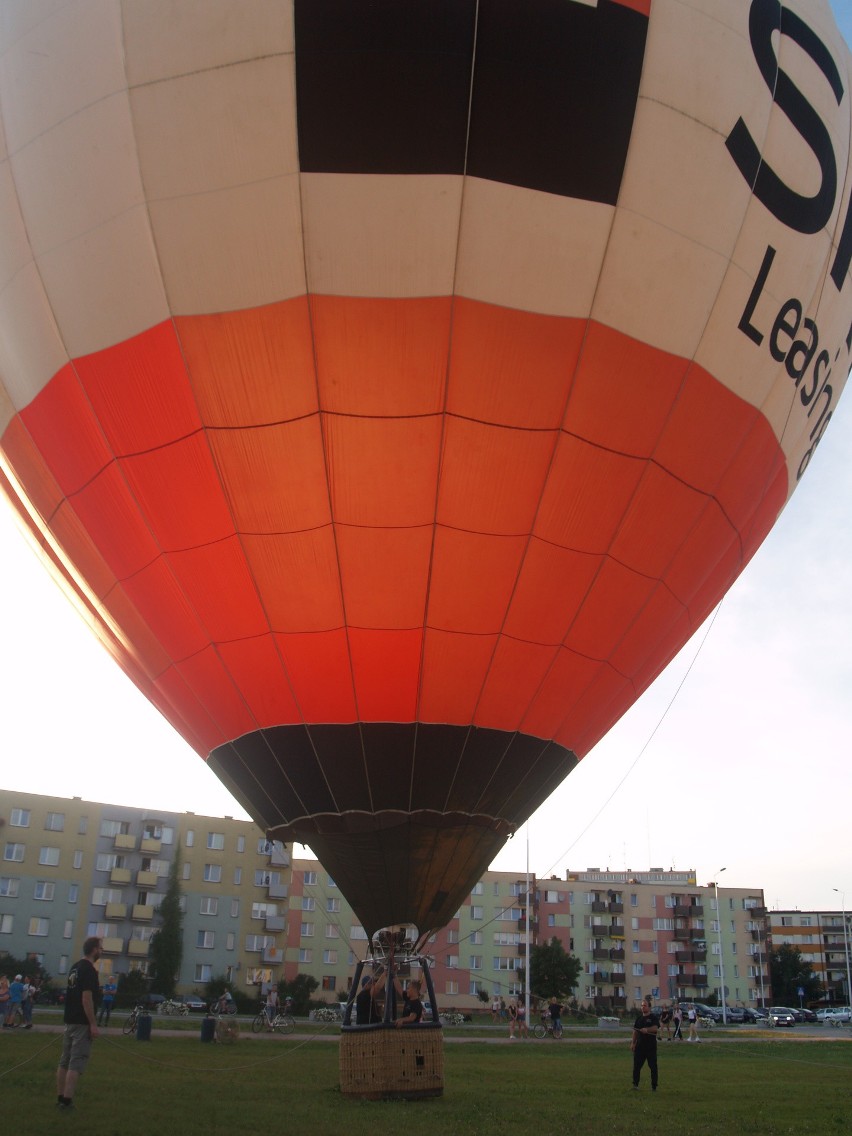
281, 1023
16, 1019
548, 1027
227, 1030
132, 1019
217, 1009
170, 1006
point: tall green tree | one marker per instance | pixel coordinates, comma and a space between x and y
166, 950
553, 971
788, 971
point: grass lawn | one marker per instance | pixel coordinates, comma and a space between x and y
276, 1085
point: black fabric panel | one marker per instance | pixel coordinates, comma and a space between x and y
389, 747
341, 756
555, 94
384, 87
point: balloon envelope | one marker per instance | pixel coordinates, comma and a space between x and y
399, 385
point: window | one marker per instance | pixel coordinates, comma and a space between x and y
238, 877
451, 987
6, 923
189, 839
209, 905
235, 909
216, 841
330, 882
259, 942
55, 822
452, 936
106, 861
203, 972
241, 844
205, 939
306, 954
63, 964
332, 905
329, 982
263, 910
329, 957
44, 889
475, 938
19, 818
514, 962
308, 903
332, 931
356, 931
103, 896
638, 969
83, 826
306, 931
48, 857
476, 962
9, 887
476, 912
310, 878
634, 944
68, 930
73, 892
187, 869
38, 926
14, 852
475, 986
263, 877
634, 899
453, 962
230, 941
78, 859
212, 873
115, 827
477, 889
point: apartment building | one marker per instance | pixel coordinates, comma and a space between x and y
74, 868
823, 941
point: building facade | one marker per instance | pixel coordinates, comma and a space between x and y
822, 940
73, 868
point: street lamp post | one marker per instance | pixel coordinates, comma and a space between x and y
721, 956
842, 895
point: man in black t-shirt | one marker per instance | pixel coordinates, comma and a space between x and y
366, 1010
412, 1007
81, 1029
644, 1044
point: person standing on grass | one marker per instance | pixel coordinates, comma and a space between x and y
108, 1000
692, 1018
677, 1018
81, 1027
644, 1044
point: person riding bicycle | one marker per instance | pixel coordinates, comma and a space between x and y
223, 1004
271, 1004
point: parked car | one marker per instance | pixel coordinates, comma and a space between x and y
834, 1014
754, 1014
735, 1014
194, 1004
781, 1016
152, 1001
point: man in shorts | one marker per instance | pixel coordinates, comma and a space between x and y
81, 1028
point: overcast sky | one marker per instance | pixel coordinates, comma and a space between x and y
738, 757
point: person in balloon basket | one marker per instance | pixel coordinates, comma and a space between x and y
367, 1012
81, 1028
412, 1007
644, 1044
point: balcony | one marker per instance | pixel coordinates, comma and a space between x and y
616, 931
275, 923
701, 980
136, 948
273, 955
124, 842
683, 956
119, 876
699, 956
150, 844
681, 910
616, 907
279, 857
276, 891
601, 976
696, 910
698, 935
116, 911
146, 879
600, 953
616, 953
681, 934
599, 906
142, 912
112, 946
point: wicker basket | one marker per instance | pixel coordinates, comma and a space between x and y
381, 1062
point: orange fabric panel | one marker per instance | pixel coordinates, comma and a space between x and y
174, 690
320, 674
386, 671
384, 573
473, 575
661, 622
143, 647
598, 708
251, 367
766, 510
218, 585
623, 392
179, 494
382, 472
274, 476
298, 579
257, 670
492, 477
454, 670
660, 518
381, 358
517, 670
747, 485
214, 688
75, 540
614, 598
32, 469
59, 412
109, 512
551, 586
713, 537
587, 494
563, 685
510, 367
157, 597
139, 391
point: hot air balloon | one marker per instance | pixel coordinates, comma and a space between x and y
399, 385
